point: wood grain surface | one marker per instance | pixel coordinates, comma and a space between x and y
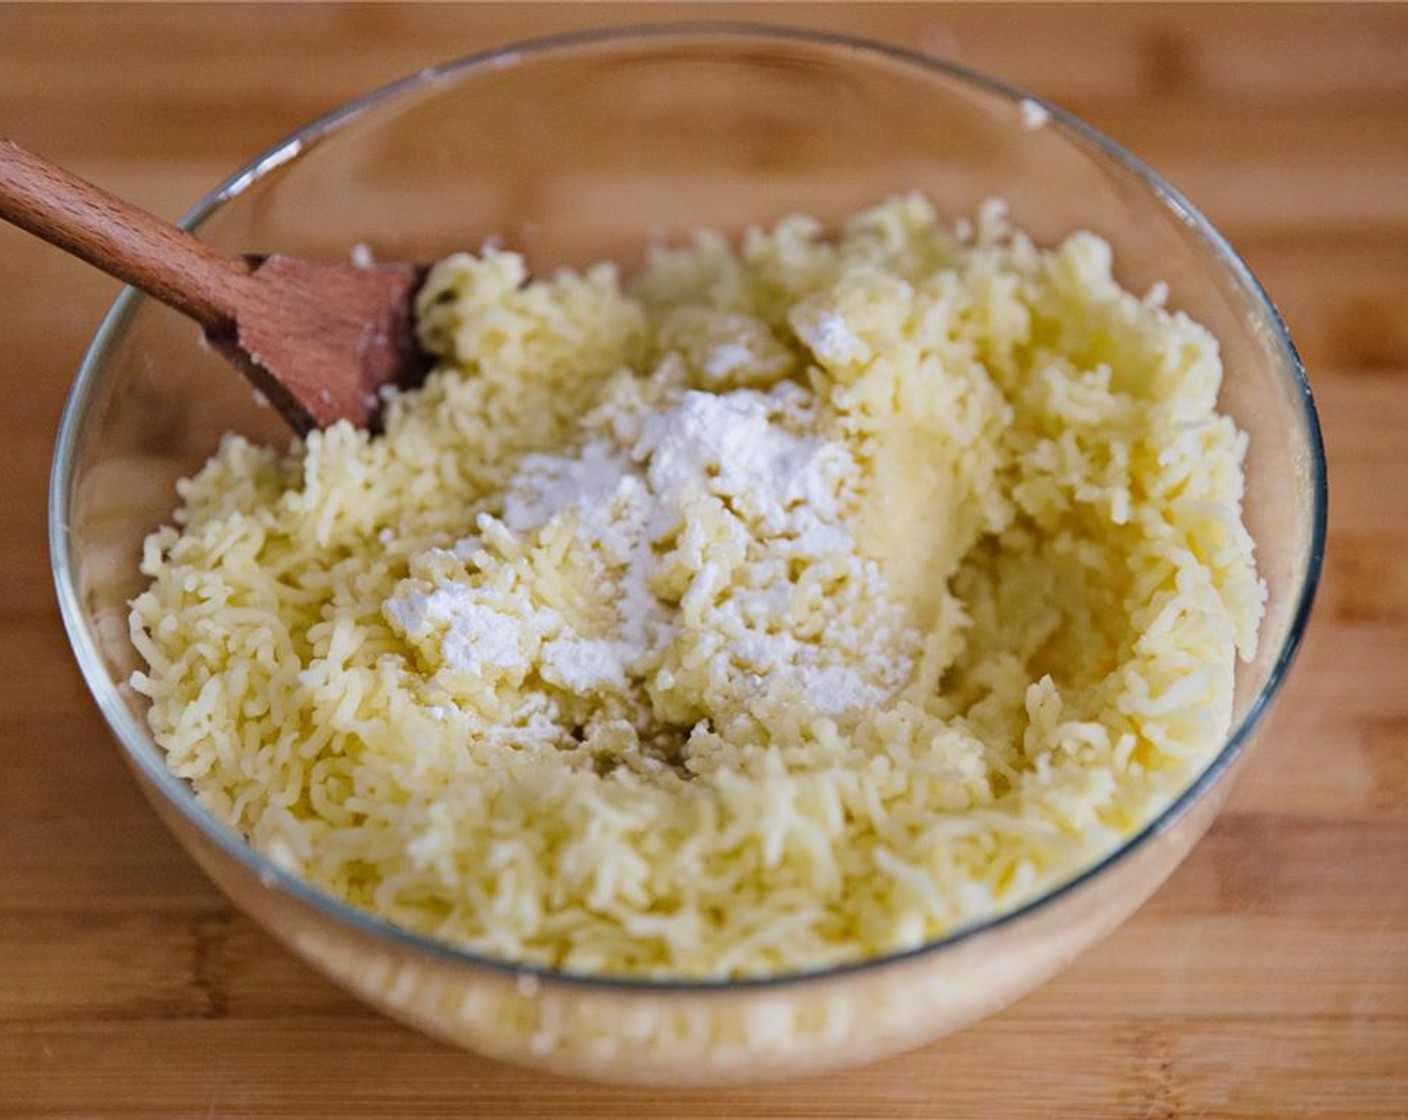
1269, 978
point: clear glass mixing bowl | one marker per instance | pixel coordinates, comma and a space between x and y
590, 146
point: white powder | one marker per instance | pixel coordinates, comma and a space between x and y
585, 664
605, 492
545, 485
481, 636
726, 358
829, 337
726, 445
855, 665
628, 494
474, 635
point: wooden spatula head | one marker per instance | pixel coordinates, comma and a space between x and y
322, 340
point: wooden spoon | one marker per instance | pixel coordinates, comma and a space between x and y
319, 340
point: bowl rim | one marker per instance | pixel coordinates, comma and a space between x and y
142, 752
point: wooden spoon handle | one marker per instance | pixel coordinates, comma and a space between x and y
122, 240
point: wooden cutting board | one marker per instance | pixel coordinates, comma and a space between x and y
1269, 978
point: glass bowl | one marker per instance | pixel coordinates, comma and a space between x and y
595, 145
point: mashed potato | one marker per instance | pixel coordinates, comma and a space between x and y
784, 607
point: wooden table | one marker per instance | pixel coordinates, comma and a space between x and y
1269, 978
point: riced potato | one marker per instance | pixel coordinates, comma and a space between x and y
788, 605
